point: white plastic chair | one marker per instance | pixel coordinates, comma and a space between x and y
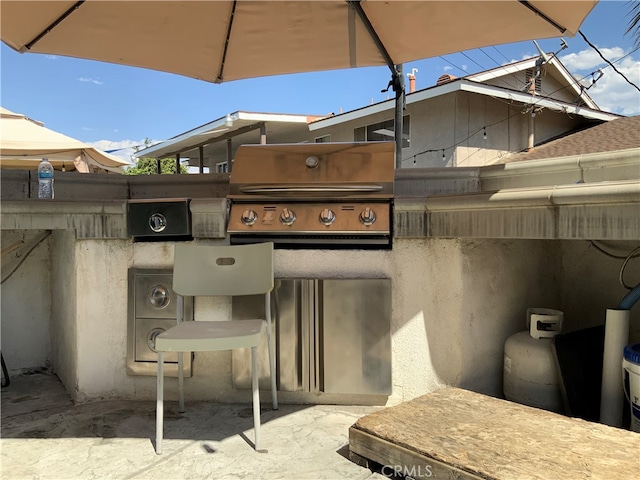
203, 270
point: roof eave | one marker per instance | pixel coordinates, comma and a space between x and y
463, 84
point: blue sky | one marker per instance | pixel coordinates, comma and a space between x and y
112, 106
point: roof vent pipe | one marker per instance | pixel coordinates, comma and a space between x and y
412, 80
531, 139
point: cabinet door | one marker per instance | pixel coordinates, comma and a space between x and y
355, 336
291, 347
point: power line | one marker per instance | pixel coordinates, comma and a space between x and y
490, 57
610, 64
453, 64
503, 55
483, 68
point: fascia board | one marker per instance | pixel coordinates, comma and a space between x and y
385, 106
528, 99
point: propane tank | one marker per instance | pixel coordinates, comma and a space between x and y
530, 376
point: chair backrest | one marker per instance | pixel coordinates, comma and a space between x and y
223, 270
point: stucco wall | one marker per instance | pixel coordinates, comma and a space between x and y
448, 322
590, 283
501, 279
101, 276
455, 301
26, 300
64, 298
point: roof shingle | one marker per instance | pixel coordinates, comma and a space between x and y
619, 134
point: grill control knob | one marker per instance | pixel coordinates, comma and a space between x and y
287, 217
327, 217
367, 216
249, 217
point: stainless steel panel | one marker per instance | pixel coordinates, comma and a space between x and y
150, 300
347, 218
286, 327
149, 219
146, 331
332, 336
268, 166
152, 305
307, 339
355, 336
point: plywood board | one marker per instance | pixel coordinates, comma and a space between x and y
462, 434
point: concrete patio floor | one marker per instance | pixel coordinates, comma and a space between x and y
46, 436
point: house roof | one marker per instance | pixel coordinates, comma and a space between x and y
465, 85
474, 83
552, 67
237, 124
620, 134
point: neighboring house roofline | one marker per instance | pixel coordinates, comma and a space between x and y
528, 63
463, 84
471, 83
219, 125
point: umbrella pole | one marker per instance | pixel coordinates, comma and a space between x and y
397, 81
398, 87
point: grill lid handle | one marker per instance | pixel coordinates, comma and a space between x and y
266, 189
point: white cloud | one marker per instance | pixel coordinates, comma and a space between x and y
612, 93
121, 148
90, 80
464, 67
589, 59
51, 57
446, 68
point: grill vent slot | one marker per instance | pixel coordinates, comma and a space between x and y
348, 208
269, 209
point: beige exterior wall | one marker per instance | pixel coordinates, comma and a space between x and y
552, 84
456, 122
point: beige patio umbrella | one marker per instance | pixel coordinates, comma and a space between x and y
219, 41
25, 142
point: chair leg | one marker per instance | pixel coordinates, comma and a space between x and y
159, 404
272, 370
256, 395
180, 383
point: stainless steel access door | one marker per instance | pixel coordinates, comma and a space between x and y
332, 336
291, 338
355, 336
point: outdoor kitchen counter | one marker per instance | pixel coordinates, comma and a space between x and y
102, 219
538, 201
604, 212
456, 433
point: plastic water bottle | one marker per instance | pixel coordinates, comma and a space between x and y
45, 180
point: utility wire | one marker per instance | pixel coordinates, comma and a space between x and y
454, 65
483, 68
503, 55
609, 254
490, 57
24, 257
624, 265
610, 64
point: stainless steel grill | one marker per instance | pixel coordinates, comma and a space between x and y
323, 195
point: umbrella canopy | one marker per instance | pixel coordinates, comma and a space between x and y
25, 142
219, 41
